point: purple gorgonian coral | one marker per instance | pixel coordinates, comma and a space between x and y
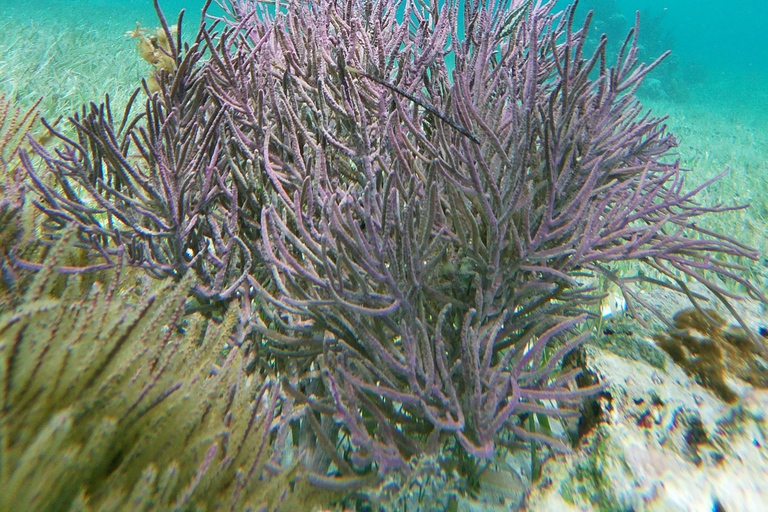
417, 190
155, 185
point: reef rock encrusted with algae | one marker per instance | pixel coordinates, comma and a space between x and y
399, 211
663, 443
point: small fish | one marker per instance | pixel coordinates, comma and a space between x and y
614, 303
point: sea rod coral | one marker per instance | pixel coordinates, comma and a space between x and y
410, 193
153, 185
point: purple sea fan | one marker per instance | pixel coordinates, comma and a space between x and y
427, 221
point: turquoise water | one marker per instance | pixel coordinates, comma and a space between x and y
722, 36
718, 50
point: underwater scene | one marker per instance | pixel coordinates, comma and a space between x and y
384, 255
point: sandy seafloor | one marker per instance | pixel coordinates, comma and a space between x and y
74, 52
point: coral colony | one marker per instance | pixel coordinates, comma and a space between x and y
403, 200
